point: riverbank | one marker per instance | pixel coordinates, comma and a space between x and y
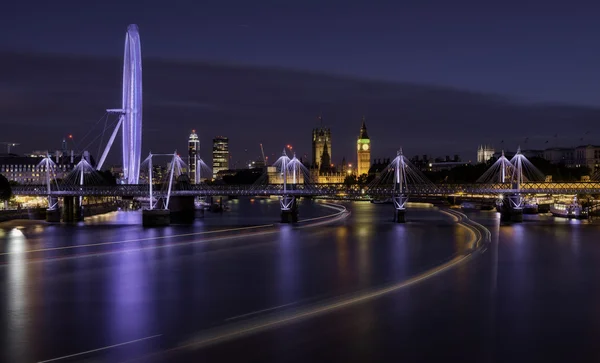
39, 214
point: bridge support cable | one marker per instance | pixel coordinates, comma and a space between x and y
501, 171
287, 202
109, 144
49, 166
397, 181
399, 194
150, 181
171, 180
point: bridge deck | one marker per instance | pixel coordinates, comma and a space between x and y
141, 190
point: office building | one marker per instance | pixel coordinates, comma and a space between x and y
193, 157
29, 169
220, 155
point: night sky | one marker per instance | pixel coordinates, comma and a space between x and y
436, 77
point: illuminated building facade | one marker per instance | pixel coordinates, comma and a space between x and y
29, 169
220, 159
363, 151
193, 157
588, 155
328, 177
321, 140
276, 176
484, 153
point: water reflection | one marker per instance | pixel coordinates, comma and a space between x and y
341, 241
17, 296
130, 299
399, 263
115, 218
364, 232
287, 275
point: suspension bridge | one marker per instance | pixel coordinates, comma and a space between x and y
506, 180
509, 180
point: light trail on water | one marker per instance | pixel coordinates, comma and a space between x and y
477, 235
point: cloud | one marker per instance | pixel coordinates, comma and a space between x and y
44, 97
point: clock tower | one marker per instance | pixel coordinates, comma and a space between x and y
363, 151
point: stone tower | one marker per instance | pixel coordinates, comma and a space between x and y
363, 151
321, 139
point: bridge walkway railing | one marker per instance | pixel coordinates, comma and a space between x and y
141, 190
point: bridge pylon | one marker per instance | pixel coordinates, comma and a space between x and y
53, 210
512, 175
515, 200
288, 202
154, 216
400, 178
399, 192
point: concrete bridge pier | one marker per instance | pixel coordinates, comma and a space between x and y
183, 209
156, 217
72, 210
400, 208
511, 215
68, 209
53, 211
512, 209
289, 209
53, 215
400, 215
78, 215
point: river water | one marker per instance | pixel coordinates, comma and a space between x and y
108, 289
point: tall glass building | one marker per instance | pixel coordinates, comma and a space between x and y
193, 157
220, 155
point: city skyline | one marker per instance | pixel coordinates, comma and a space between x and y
529, 115
441, 164
240, 163
400, 119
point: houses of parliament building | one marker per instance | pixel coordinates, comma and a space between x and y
323, 170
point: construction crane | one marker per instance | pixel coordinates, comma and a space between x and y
262, 151
9, 145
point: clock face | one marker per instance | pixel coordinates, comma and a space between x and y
365, 147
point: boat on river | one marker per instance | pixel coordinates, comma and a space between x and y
568, 210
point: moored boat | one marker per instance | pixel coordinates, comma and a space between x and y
530, 208
572, 210
544, 208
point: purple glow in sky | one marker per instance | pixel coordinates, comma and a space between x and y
436, 77
538, 50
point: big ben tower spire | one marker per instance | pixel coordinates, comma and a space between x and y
363, 150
